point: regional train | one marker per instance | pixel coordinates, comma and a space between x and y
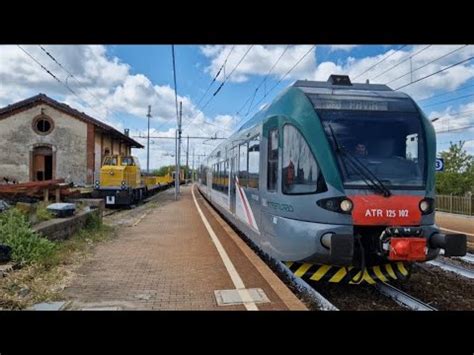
334, 176
122, 183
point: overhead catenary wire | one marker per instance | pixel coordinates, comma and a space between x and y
410, 56
48, 53
381, 61
426, 64
449, 100
446, 93
58, 80
282, 78
47, 70
252, 97
215, 76
436, 72
67, 71
220, 87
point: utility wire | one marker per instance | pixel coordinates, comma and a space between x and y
426, 64
215, 76
401, 62
446, 93
384, 59
252, 97
436, 72
220, 87
58, 80
446, 101
282, 78
46, 69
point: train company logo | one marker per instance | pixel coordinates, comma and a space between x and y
281, 206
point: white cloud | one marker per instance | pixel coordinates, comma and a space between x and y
115, 92
342, 47
259, 61
451, 119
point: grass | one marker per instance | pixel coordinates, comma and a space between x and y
27, 246
42, 213
43, 279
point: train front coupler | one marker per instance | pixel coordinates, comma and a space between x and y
410, 244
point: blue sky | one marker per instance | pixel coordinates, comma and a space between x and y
116, 83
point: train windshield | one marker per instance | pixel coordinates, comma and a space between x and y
390, 144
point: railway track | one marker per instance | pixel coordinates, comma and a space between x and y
457, 269
402, 298
468, 258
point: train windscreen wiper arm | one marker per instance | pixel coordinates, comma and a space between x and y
367, 176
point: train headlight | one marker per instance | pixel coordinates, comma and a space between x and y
426, 205
123, 185
336, 204
346, 205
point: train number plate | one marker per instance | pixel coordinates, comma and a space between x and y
110, 200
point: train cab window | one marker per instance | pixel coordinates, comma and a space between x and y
127, 161
112, 161
300, 171
243, 164
272, 167
254, 161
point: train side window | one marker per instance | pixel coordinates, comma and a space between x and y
254, 160
243, 165
225, 179
300, 171
272, 167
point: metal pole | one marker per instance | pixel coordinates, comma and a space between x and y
192, 171
148, 142
179, 143
176, 181
187, 158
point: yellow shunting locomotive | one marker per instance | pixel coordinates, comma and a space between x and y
122, 183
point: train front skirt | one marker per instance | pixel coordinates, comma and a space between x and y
349, 275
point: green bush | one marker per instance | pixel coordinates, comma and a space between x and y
27, 246
43, 214
93, 222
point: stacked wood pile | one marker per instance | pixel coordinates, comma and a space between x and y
37, 190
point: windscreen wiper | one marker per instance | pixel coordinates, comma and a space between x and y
367, 176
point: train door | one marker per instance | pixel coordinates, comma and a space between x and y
233, 169
269, 188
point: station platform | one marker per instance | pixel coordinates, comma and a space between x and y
181, 255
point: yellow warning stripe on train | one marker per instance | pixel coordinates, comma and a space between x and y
350, 275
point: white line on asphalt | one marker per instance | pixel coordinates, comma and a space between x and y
234, 275
453, 231
140, 219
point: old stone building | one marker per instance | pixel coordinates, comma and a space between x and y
42, 139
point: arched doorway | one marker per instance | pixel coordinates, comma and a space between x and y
43, 164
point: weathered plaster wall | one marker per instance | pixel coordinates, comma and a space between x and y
68, 138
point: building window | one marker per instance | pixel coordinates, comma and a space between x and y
43, 124
272, 171
300, 171
254, 161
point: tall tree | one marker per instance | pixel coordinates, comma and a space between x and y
458, 175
